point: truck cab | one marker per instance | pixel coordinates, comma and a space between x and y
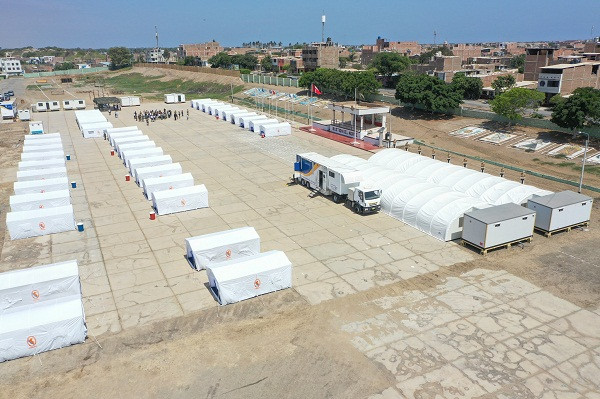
364, 199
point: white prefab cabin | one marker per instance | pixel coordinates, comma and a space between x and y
560, 210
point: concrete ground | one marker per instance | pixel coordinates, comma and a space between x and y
384, 310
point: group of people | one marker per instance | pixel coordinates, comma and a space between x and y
152, 115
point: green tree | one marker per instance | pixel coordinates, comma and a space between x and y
120, 57
192, 61
428, 91
502, 83
64, 66
518, 61
166, 55
387, 64
513, 103
581, 109
267, 64
342, 83
246, 61
220, 60
469, 87
425, 57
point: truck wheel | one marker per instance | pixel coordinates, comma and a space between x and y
356, 208
336, 198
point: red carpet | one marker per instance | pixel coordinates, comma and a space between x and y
341, 139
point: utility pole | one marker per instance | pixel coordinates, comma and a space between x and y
156, 35
587, 140
434, 37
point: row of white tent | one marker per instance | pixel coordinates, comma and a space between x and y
92, 123
236, 268
40, 310
163, 182
41, 203
262, 124
432, 195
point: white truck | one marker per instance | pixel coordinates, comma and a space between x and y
342, 183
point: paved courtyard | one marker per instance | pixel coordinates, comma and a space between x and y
481, 333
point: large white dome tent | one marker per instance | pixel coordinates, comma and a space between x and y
428, 207
491, 189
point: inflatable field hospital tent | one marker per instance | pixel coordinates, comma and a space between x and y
250, 276
153, 184
128, 155
278, 129
244, 121
130, 133
39, 222
145, 162
29, 148
204, 250
40, 310
158, 171
94, 129
50, 199
41, 155
41, 137
180, 199
41, 186
40, 174
136, 146
121, 141
235, 117
46, 164
113, 130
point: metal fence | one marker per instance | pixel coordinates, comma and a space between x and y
189, 68
65, 72
480, 114
272, 109
269, 80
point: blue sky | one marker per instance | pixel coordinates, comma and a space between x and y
87, 23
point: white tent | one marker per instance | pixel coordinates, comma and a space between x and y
492, 189
223, 111
228, 115
94, 129
40, 174
50, 199
140, 145
123, 129
254, 125
117, 142
37, 165
40, 156
210, 108
250, 276
153, 184
27, 148
34, 285
235, 117
145, 162
180, 199
202, 105
278, 129
40, 186
158, 171
131, 133
25, 224
196, 103
205, 250
52, 141
89, 116
140, 153
244, 122
41, 137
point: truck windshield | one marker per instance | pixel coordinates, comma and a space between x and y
371, 195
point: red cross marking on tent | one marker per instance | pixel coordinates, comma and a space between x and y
31, 341
257, 284
35, 294
42, 226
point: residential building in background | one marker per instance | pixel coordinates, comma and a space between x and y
321, 55
155, 56
10, 66
536, 58
204, 51
382, 45
563, 79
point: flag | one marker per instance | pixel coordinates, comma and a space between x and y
315, 89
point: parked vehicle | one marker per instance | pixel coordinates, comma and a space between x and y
342, 183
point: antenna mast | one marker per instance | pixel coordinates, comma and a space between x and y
434, 37
156, 34
323, 27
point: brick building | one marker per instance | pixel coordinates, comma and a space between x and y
563, 79
536, 58
442, 66
201, 50
465, 50
321, 55
382, 45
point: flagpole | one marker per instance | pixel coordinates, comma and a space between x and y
310, 110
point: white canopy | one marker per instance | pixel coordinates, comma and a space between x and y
50, 199
46, 164
250, 276
39, 174
180, 199
38, 222
158, 171
171, 182
204, 250
41, 186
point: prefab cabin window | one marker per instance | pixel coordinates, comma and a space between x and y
331, 174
